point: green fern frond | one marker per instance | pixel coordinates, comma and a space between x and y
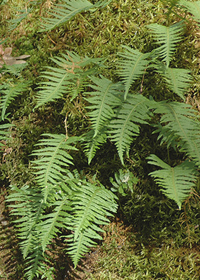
168, 37
131, 66
193, 8
61, 13
28, 209
8, 94
91, 206
180, 119
126, 125
53, 222
65, 77
178, 80
35, 261
103, 100
176, 182
53, 161
92, 144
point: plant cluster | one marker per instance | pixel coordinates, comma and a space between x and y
63, 201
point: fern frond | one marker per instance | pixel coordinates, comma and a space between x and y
53, 161
8, 94
61, 13
28, 209
91, 206
177, 79
63, 78
103, 100
193, 8
126, 125
92, 144
35, 261
176, 182
168, 37
53, 222
131, 66
180, 119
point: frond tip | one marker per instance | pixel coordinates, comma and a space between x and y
176, 182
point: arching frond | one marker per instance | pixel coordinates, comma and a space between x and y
178, 80
61, 13
180, 119
52, 161
176, 182
9, 93
91, 206
168, 37
103, 100
131, 66
126, 125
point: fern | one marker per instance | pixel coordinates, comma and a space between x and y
179, 119
59, 218
91, 206
126, 125
9, 93
92, 144
178, 80
51, 166
131, 66
176, 182
28, 210
64, 78
103, 99
64, 12
168, 37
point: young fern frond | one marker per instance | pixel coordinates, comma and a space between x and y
103, 100
63, 78
178, 80
176, 182
179, 118
168, 37
52, 162
193, 8
64, 12
91, 205
9, 92
131, 66
126, 125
